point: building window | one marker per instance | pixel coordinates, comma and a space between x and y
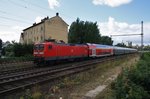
49, 22
50, 47
41, 28
34, 39
37, 38
41, 38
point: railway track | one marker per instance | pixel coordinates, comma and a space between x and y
19, 80
15, 66
11, 70
28, 70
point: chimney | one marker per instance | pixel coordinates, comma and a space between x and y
34, 23
22, 35
57, 14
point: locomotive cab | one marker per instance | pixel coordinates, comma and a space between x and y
40, 52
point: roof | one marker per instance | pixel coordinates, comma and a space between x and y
35, 24
43, 20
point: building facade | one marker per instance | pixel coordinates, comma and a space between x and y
49, 28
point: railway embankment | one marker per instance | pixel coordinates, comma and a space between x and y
78, 86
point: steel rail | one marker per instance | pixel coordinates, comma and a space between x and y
29, 80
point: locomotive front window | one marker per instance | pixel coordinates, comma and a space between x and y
36, 47
39, 47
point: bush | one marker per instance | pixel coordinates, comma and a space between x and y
18, 50
16, 59
134, 83
22, 50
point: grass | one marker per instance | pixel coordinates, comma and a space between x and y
76, 86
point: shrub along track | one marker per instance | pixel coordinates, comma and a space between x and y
13, 81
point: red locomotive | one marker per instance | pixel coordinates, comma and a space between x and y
51, 51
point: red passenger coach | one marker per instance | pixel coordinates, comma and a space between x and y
98, 50
51, 51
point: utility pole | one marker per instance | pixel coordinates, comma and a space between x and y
134, 35
141, 35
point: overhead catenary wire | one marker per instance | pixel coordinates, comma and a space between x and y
12, 2
41, 7
25, 7
11, 14
8, 14
16, 20
13, 19
38, 6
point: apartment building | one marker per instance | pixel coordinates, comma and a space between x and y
49, 28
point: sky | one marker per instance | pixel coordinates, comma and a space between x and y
114, 17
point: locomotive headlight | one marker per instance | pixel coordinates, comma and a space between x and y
35, 52
41, 52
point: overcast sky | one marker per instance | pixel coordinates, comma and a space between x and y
113, 16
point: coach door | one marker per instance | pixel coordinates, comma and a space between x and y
94, 52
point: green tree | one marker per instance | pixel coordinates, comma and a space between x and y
0, 47
83, 32
0, 44
9, 50
146, 47
18, 49
3, 51
106, 40
22, 49
121, 45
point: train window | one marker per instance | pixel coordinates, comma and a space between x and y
36, 47
41, 47
50, 47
